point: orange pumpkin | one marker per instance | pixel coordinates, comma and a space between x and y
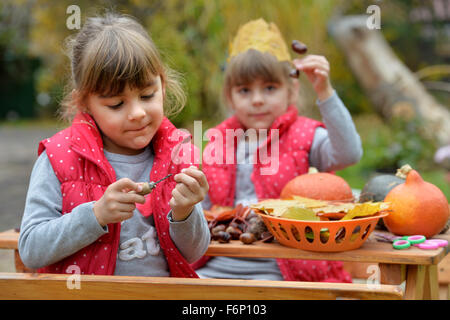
417, 206
319, 186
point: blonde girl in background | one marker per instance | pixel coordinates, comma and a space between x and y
84, 211
262, 95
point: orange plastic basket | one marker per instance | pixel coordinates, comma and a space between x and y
323, 236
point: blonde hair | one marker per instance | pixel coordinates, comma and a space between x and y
252, 64
112, 52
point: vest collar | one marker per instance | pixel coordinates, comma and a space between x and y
282, 123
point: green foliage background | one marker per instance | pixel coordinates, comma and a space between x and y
193, 37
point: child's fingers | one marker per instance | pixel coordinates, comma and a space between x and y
119, 191
188, 193
124, 197
312, 65
321, 73
179, 199
312, 62
188, 181
121, 207
125, 215
126, 185
320, 59
197, 175
184, 191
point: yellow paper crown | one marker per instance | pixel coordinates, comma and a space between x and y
261, 36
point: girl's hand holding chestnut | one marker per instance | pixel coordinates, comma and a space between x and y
317, 69
191, 188
117, 203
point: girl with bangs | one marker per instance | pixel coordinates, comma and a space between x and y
85, 211
262, 95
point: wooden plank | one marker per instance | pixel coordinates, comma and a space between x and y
392, 273
9, 239
50, 286
431, 284
378, 252
444, 270
415, 278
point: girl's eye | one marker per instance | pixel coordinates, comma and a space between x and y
243, 90
147, 97
270, 88
116, 106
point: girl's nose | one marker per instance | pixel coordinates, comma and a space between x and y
257, 98
137, 111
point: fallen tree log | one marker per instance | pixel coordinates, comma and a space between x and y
392, 88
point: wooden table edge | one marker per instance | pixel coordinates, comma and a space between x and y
369, 252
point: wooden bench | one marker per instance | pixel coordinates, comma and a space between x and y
25, 284
60, 287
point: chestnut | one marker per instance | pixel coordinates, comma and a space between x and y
234, 232
247, 238
223, 237
299, 47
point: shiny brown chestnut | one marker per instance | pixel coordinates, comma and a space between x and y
247, 238
299, 48
223, 237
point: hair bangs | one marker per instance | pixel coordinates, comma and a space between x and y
109, 54
252, 64
120, 61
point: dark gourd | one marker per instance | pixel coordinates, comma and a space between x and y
378, 187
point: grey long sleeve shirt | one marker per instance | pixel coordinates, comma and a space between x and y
47, 236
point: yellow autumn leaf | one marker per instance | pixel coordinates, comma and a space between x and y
262, 36
342, 207
301, 208
310, 203
276, 207
298, 213
365, 209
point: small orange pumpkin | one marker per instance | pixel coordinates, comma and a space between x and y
319, 186
417, 206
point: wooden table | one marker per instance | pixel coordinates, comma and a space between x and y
415, 266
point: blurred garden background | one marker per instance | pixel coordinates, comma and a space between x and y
193, 37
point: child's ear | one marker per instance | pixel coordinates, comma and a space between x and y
294, 91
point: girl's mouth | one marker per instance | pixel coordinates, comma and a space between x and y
259, 115
139, 129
